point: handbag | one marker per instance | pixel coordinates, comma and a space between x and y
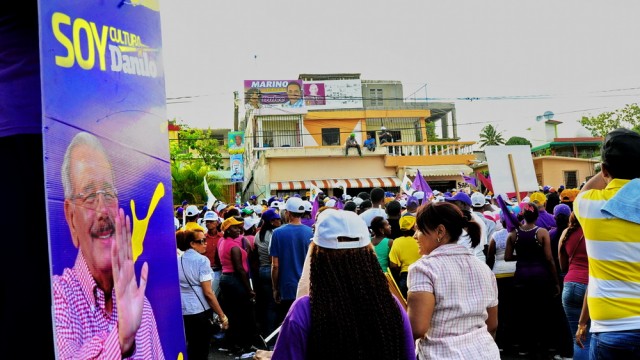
213, 325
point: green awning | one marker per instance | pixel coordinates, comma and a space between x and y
565, 144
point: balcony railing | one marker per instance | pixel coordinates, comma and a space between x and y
430, 148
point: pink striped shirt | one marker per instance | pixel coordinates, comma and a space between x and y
83, 327
464, 287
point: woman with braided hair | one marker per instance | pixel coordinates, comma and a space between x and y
349, 312
453, 296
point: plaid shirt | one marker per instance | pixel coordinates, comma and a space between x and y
464, 288
83, 327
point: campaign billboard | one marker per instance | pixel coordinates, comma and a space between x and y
108, 181
333, 94
273, 93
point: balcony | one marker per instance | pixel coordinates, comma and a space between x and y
394, 154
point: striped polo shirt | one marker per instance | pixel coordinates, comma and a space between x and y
613, 247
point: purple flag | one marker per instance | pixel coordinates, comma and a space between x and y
510, 218
469, 180
420, 184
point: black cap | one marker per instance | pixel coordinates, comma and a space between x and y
621, 143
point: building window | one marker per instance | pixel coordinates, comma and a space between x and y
571, 179
375, 96
330, 136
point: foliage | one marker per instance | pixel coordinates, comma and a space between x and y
600, 125
193, 155
187, 180
490, 136
517, 140
431, 131
196, 143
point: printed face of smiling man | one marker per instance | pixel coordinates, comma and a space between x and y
91, 209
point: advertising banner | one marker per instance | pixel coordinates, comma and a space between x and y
108, 183
236, 142
273, 93
237, 168
333, 94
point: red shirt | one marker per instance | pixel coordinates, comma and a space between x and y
212, 248
578, 263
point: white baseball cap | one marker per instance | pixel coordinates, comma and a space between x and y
331, 203
275, 205
250, 221
477, 199
192, 210
295, 205
210, 216
333, 224
307, 205
221, 207
383, 128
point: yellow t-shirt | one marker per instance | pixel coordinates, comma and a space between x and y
193, 226
613, 247
404, 252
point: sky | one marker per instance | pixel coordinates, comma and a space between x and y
501, 62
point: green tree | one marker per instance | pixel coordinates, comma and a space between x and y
187, 180
490, 136
600, 125
193, 155
195, 144
431, 131
517, 140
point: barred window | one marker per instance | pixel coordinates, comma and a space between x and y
279, 131
571, 179
330, 136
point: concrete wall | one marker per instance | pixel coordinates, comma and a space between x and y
550, 169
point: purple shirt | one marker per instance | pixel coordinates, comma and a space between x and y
294, 334
545, 220
83, 327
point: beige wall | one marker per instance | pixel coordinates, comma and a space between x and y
292, 169
550, 169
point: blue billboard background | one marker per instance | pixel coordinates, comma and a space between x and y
102, 73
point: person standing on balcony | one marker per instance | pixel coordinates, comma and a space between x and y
352, 142
386, 137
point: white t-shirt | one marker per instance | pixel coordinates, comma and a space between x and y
465, 239
369, 214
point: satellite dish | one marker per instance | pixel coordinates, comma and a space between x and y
548, 115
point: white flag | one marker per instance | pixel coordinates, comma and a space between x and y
210, 197
406, 185
313, 192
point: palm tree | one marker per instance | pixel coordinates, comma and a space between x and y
490, 136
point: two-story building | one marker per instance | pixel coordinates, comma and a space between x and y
289, 149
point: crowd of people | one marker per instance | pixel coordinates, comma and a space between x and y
454, 275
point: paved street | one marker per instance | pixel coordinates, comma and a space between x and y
219, 355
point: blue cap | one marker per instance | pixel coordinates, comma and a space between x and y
412, 201
562, 209
253, 197
270, 214
459, 196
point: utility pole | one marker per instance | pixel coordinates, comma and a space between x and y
235, 111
